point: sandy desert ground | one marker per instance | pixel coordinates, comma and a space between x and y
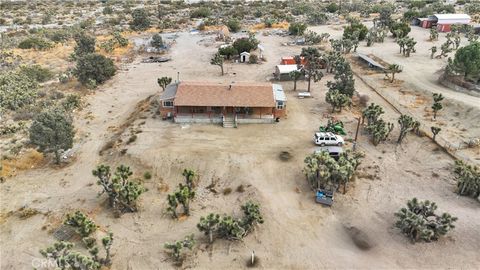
297, 233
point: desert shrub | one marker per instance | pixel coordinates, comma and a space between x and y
253, 59
71, 102
85, 44
467, 62
147, 175
107, 10
36, 43
59, 36
227, 51
140, 21
157, 41
297, 28
37, 73
233, 25
16, 90
202, 12
332, 7
94, 69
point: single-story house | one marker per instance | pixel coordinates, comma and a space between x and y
209, 102
282, 72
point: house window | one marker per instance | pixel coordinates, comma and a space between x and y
168, 104
280, 105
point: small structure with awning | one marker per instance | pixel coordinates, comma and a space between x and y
371, 63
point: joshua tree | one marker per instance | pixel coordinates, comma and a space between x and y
433, 34
172, 205
337, 99
379, 131
410, 46
107, 242
65, 258
406, 124
468, 179
184, 195
372, 113
231, 229
437, 98
217, 60
445, 49
176, 248
164, 81
81, 222
393, 69
344, 81
433, 50
435, 131
190, 177
457, 40
252, 216
209, 225
122, 192
295, 75
419, 222
313, 64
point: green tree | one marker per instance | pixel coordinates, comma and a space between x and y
437, 105
406, 123
467, 62
122, 192
164, 81
295, 75
217, 60
297, 28
175, 249
16, 90
52, 131
209, 225
435, 131
419, 222
245, 44
191, 178
140, 20
37, 73
85, 44
81, 222
227, 51
344, 81
157, 41
93, 69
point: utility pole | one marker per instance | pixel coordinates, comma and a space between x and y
356, 134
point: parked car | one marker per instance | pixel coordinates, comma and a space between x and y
334, 151
327, 138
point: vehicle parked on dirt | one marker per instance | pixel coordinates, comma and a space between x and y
327, 138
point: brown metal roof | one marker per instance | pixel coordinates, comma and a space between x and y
217, 94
